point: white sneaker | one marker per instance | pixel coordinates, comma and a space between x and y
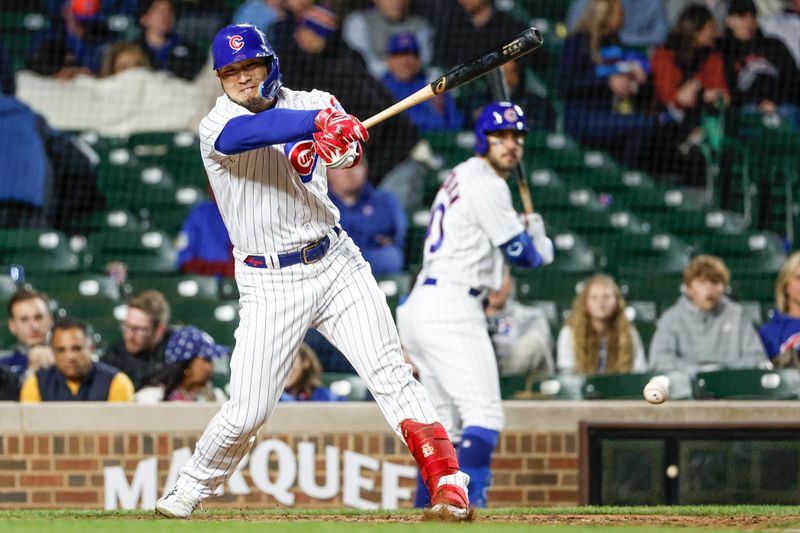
177, 504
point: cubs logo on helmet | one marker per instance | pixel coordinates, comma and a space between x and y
498, 116
302, 158
238, 42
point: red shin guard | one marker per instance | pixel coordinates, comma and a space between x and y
436, 457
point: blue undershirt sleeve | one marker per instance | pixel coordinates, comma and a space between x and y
520, 251
273, 126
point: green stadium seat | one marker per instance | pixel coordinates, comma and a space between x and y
17, 30
631, 386
221, 330
659, 253
395, 288
7, 289
141, 251
572, 254
663, 289
348, 385
754, 287
599, 228
550, 200
748, 384
692, 226
38, 250
106, 330
80, 285
555, 387
228, 290
194, 311
180, 288
116, 219
88, 309
177, 152
647, 201
549, 285
749, 252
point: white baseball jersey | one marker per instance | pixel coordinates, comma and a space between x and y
471, 216
262, 198
270, 206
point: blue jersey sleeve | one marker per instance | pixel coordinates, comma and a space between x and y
520, 251
273, 126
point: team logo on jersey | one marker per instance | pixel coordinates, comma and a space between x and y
515, 249
236, 42
302, 157
510, 115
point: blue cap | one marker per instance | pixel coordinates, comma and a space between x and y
403, 43
190, 342
321, 20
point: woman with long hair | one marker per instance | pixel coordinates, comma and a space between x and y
598, 338
305, 380
601, 82
781, 333
689, 78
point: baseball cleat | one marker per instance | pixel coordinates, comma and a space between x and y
449, 500
176, 504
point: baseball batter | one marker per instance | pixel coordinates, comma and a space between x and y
472, 228
265, 148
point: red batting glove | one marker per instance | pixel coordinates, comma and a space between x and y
324, 116
329, 147
346, 127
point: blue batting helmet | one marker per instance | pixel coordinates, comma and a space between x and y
238, 42
498, 116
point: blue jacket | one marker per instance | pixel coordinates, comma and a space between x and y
24, 171
17, 362
779, 333
437, 114
94, 387
203, 235
376, 213
577, 79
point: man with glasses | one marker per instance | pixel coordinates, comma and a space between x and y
145, 331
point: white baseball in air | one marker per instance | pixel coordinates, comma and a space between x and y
657, 390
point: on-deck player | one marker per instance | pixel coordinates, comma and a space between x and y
472, 227
265, 148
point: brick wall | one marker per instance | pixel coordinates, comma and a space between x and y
66, 470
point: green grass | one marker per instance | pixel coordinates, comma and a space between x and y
544, 519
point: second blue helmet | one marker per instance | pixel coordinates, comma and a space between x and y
498, 116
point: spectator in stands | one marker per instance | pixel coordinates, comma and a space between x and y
74, 45
203, 244
318, 63
600, 81
520, 333
786, 27
759, 70
260, 13
9, 385
145, 333
29, 320
689, 79
645, 21
189, 356
123, 55
373, 218
281, 33
717, 8
165, 49
781, 333
304, 383
704, 327
405, 77
331, 359
598, 338
75, 377
368, 31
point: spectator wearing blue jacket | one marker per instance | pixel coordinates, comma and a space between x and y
373, 218
203, 244
781, 333
600, 81
405, 77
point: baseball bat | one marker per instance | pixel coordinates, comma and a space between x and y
499, 89
526, 42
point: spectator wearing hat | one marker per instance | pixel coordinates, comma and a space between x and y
304, 383
165, 49
316, 60
759, 70
405, 77
368, 31
373, 218
189, 356
75, 376
74, 45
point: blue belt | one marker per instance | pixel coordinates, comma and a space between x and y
472, 291
308, 254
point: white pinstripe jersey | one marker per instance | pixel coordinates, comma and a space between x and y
471, 216
263, 201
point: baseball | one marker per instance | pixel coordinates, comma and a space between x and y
656, 391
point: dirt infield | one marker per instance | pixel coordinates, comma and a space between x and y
639, 520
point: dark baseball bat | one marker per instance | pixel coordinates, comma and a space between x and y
526, 42
499, 89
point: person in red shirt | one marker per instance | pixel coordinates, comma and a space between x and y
689, 79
